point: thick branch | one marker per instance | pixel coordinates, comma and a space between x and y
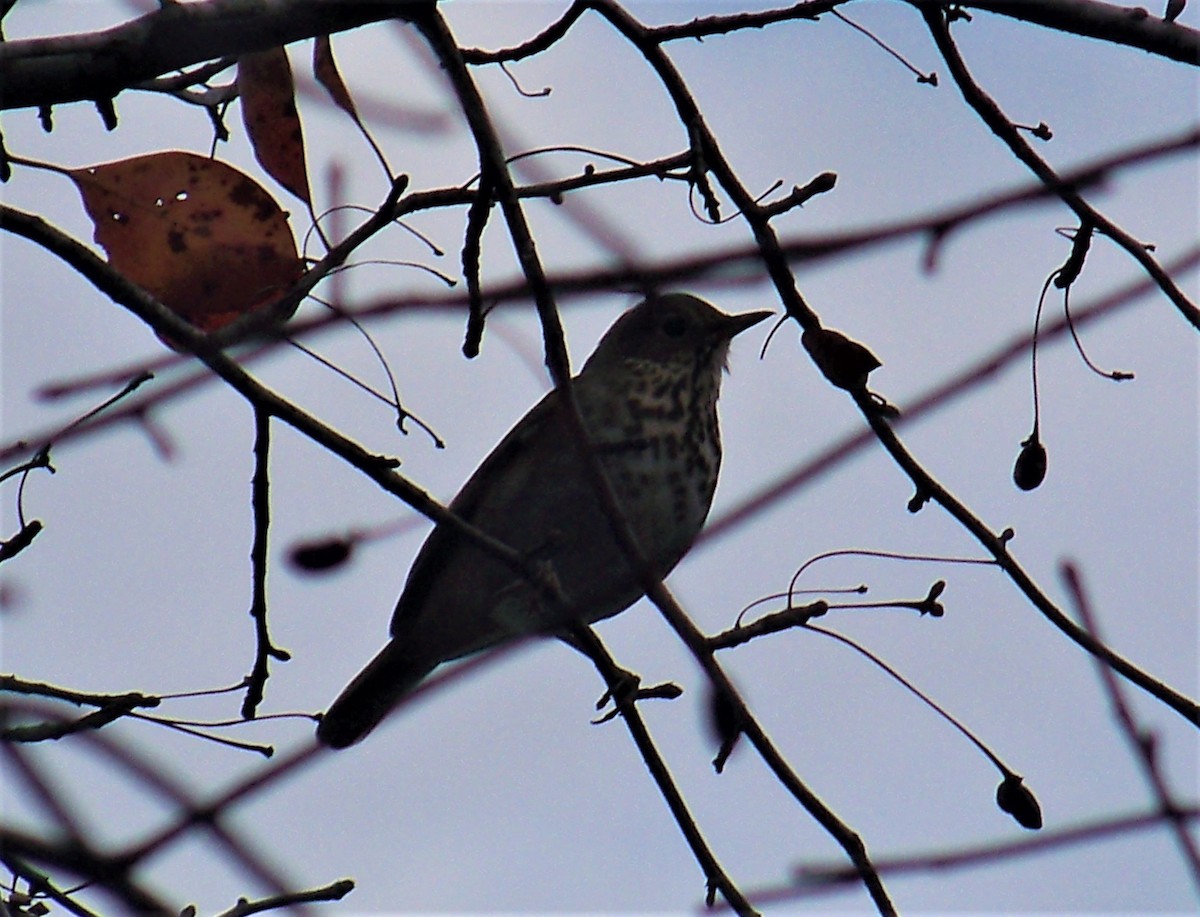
1122, 25
98, 65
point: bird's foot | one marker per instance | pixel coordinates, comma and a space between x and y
627, 689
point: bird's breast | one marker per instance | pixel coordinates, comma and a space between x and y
664, 458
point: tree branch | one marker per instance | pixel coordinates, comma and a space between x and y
625, 703
993, 116
1122, 25
99, 65
378, 468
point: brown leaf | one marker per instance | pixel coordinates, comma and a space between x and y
203, 238
326, 71
264, 82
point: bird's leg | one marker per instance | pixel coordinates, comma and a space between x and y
624, 686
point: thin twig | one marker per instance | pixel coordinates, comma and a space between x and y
714, 873
1000, 124
816, 879
260, 502
335, 891
1141, 741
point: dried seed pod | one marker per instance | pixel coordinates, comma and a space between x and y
1030, 468
1015, 798
319, 556
844, 362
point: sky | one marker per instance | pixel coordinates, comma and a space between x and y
498, 793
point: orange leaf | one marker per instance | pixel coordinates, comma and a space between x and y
203, 238
264, 82
326, 71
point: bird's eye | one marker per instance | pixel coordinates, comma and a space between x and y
674, 326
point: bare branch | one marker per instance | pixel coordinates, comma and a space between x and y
72, 68
991, 114
1123, 25
1141, 741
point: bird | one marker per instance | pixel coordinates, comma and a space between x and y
647, 397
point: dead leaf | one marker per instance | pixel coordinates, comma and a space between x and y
268, 94
326, 71
204, 239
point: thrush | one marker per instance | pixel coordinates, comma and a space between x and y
648, 400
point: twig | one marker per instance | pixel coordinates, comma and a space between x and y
1141, 741
109, 707
335, 891
477, 220
80, 860
40, 884
260, 502
715, 875
999, 123
774, 623
815, 879
494, 165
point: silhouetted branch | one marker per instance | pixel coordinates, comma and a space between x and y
991, 114
99, 65
715, 876
260, 503
1141, 741
108, 708
816, 879
335, 891
1111, 22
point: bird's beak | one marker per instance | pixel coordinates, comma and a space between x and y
730, 327
734, 325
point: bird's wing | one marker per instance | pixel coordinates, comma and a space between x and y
492, 491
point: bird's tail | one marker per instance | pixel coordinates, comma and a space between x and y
372, 694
